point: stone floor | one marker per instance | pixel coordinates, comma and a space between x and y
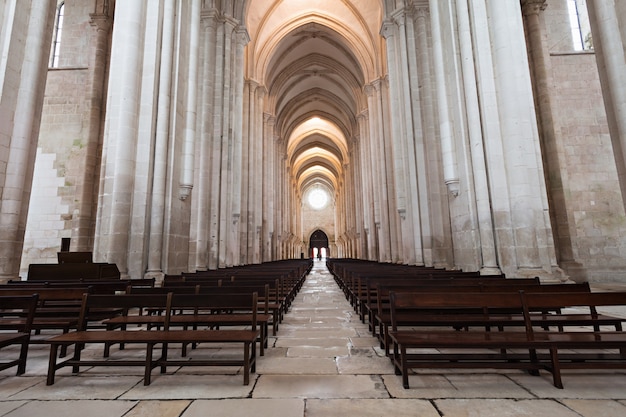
323, 362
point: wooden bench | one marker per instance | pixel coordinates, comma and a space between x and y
263, 317
381, 318
150, 338
514, 334
16, 318
72, 271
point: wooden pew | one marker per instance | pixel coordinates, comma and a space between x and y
479, 347
381, 315
16, 318
72, 271
263, 316
165, 337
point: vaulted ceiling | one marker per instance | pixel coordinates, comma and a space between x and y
314, 59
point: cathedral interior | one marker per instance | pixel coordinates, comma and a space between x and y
171, 136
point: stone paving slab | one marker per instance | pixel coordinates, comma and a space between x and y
577, 385
456, 386
246, 407
322, 386
503, 408
182, 386
92, 408
370, 408
80, 388
158, 409
604, 408
297, 366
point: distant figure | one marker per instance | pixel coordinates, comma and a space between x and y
319, 256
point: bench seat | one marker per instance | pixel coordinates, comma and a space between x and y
521, 343
152, 338
164, 337
197, 320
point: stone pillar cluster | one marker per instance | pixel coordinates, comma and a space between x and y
25, 37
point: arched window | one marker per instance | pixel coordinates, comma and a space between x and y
56, 36
579, 23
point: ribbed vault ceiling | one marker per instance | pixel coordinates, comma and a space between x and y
314, 59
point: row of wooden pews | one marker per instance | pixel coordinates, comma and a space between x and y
453, 319
75, 313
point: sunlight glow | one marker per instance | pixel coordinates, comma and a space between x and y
317, 198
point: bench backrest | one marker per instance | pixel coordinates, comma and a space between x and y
453, 303
216, 303
45, 294
23, 307
539, 301
262, 290
123, 302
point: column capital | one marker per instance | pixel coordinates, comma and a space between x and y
422, 12
253, 84
243, 38
209, 16
399, 16
530, 7
388, 29
269, 119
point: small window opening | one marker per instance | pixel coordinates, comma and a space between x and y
56, 36
579, 24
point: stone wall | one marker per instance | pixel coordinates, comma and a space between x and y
592, 192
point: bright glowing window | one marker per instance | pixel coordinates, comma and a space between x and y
317, 198
579, 23
56, 37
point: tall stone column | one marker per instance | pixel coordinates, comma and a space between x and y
269, 185
83, 222
121, 128
241, 39
226, 215
489, 263
413, 251
429, 165
549, 130
24, 57
450, 169
398, 133
532, 242
379, 186
609, 34
259, 160
189, 141
247, 170
161, 144
216, 225
203, 192
366, 174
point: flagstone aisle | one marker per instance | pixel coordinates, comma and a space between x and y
323, 362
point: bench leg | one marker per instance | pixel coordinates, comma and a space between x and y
52, 364
21, 365
164, 358
405, 373
533, 358
147, 373
263, 342
78, 348
246, 363
556, 368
